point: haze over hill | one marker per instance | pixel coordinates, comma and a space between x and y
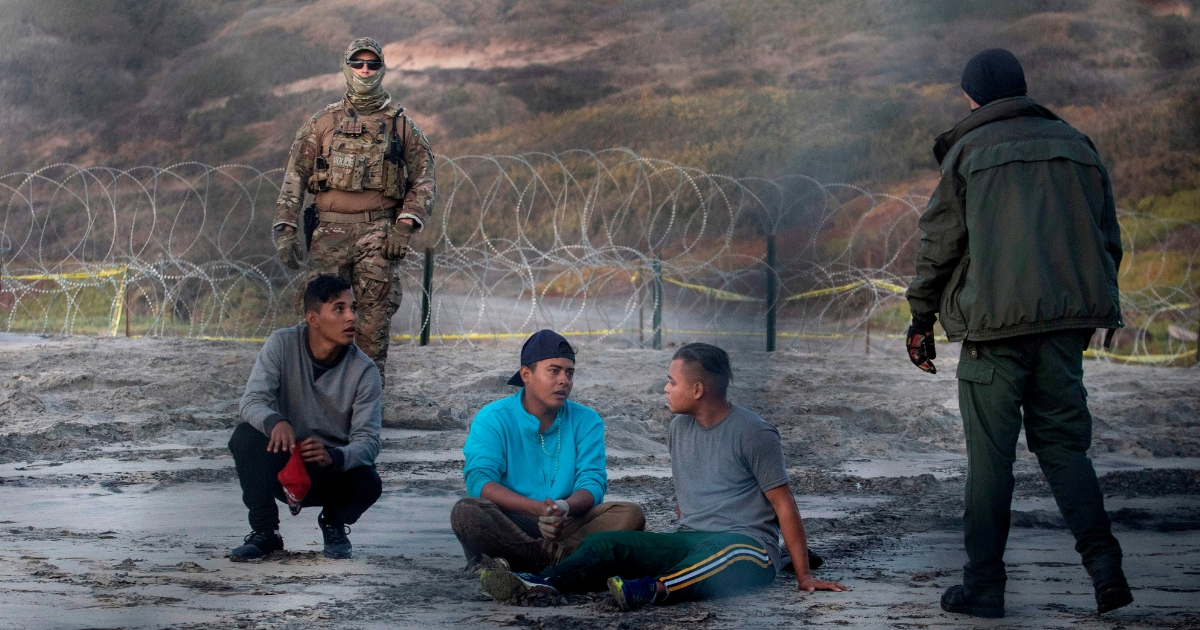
849, 91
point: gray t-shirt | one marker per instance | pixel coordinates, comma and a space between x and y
721, 474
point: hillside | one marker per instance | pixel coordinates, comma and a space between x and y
850, 91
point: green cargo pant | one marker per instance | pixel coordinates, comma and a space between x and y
354, 251
692, 565
1038, 380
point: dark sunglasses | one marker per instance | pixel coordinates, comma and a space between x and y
357, 64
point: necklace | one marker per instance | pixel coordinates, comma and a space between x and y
558, 452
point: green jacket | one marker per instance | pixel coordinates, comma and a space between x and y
1021, 235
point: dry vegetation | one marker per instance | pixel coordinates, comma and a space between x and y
848, 91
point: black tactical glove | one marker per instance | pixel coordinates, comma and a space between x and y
288, 243
919, 342
396, 244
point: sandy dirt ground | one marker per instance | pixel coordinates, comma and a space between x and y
119, 502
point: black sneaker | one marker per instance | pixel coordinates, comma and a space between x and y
337, 543
257, 544
1112, 591
989, 606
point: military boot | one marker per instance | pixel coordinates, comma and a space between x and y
1112, 591
989, 605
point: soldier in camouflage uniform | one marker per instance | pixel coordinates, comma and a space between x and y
372, 172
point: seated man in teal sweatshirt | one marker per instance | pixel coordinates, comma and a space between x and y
535, 468
732, 497
311, 389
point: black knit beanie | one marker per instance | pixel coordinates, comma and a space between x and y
993, 74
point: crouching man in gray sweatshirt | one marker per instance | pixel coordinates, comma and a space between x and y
311, 389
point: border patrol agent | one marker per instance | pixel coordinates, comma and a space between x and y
372, 172
1019, 256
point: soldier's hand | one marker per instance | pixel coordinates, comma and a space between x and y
919, 343
396, 244
288, 242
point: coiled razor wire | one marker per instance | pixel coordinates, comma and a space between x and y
568, 241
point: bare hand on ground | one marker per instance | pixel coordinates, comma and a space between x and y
314, 452
283, 438
809, 583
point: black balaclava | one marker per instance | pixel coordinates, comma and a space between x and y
993, 74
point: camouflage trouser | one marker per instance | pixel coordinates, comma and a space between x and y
354, 251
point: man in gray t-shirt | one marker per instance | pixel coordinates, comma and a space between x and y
722, 474
733, 501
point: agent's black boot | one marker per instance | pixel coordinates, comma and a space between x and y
1112, 591
990, 605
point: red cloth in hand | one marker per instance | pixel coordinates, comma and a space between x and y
295, 481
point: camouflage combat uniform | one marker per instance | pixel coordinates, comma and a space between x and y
343, 158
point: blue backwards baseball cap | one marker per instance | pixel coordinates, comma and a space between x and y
541, 345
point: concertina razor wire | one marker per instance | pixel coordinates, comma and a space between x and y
568, 241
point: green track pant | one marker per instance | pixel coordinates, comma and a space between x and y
1036, 380
692, 565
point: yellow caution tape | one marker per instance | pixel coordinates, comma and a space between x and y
245, 339
648, 331
120, 305
879, 284
1138, 358
717, 293
516, 335
78, 275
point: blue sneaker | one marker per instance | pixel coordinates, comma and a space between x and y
258, 544
504, 586
337, 542
633, 594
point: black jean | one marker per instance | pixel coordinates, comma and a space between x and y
345, 495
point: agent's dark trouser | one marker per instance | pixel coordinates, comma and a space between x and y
482, 527
344, 495
1038, 380
692, 565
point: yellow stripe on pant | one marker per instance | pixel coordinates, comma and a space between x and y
714, 564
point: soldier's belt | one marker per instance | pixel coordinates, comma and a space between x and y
360, 217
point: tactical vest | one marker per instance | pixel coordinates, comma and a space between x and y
365, 153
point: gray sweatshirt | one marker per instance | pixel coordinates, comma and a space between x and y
341, 409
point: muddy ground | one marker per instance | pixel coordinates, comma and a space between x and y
119, 503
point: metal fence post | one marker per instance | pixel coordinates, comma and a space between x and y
656, 323
772, 293
427, 286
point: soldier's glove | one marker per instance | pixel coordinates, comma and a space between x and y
551, 524
288, 243
919, 342
396, 244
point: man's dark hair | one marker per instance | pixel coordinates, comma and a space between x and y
712, 362
321, 290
